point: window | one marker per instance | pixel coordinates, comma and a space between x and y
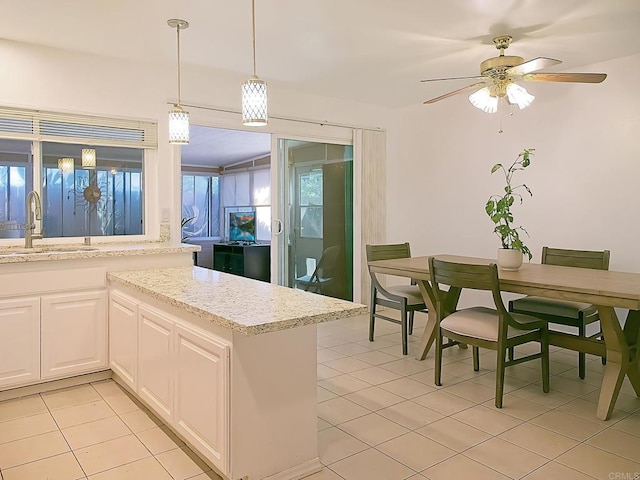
249, 191
200, 206
104, 196
15, 182
102, 200
310, 203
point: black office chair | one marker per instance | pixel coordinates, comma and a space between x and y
405, 298
323, 274
563, 312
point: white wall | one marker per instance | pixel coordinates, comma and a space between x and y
45, 78
584, 176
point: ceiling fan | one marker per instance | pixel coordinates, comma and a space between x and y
498, 77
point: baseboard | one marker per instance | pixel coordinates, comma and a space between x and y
54, 385
299, 471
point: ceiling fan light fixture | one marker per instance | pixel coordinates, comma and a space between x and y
519, 96
483, 100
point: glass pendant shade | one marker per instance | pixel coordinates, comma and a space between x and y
66, 164
483, 100
519, 96
178, 126
254, 102
88, 158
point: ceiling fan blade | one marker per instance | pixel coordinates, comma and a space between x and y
533, 65
452, 78
456, 92
565, 77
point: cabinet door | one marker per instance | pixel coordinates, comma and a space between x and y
19, 341
74, 333
202, 393
155, 370
123, 337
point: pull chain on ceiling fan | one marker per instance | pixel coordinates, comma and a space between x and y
498, 77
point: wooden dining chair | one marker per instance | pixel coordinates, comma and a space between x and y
482, 327
405, 298
563, 312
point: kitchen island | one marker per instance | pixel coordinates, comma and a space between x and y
228, 363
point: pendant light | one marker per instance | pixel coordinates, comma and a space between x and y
89, 158
254, 90
66, 164
178, 118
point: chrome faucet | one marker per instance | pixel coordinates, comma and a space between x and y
36, 211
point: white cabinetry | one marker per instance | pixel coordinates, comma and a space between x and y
180, 371
155, 352
53, 324
202, 393
123, 337
19, 341
74, 333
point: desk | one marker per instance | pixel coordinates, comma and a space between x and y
604, 288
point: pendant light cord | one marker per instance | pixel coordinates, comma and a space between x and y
178, 34
253, 22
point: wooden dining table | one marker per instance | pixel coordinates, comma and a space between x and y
605, 289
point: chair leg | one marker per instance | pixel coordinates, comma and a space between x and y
411, 322
581, 355
372, 314
500, 366
476, 359
438, 362
544, 349
405, 337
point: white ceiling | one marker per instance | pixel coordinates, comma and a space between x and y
217, 147
373, 51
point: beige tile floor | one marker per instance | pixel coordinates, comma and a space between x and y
380, 417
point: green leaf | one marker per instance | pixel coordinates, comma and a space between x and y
496, 167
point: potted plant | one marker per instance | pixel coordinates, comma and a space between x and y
498, 208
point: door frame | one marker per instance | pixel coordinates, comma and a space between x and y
284, 129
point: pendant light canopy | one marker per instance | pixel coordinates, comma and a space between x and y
178, 117
254, 90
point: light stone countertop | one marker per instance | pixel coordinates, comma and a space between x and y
247, 306
41, 253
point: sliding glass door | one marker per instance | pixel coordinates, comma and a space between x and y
314, 235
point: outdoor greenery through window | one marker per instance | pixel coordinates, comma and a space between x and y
311, 204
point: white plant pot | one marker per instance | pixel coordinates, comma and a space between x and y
509, 259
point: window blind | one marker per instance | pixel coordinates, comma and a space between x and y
42, 125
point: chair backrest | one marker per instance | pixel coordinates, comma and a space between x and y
598, 260
327, 262
388, 252
463, 275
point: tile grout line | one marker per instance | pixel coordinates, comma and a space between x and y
522, 421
